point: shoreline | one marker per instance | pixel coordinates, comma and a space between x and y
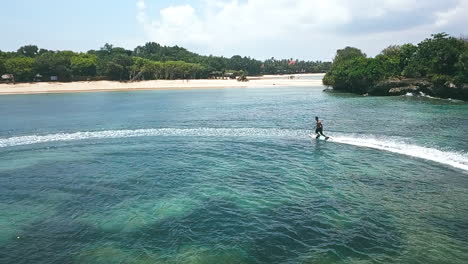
195, 84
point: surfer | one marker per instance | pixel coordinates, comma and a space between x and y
319, 128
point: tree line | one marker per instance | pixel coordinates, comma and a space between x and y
148, 62
441, 60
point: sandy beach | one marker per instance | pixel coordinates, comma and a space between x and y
99, 86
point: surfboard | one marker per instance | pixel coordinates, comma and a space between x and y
312, 136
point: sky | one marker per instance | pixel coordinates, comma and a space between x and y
303, 29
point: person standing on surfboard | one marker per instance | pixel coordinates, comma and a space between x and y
319, 128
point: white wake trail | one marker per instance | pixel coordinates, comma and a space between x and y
455, 159
185, 132
452, 158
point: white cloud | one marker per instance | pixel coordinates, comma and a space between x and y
178, 25
141, 15
141, 4
287, 28
456, 16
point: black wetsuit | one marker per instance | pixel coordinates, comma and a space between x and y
319, 129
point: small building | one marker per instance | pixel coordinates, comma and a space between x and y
229, 75
292, 62
54, 78
215, 74
7, 77
38, 78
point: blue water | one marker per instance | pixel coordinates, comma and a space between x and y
231, 176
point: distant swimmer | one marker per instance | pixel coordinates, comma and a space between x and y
319, 128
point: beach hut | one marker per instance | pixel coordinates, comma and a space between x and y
229, 75
215, 74
8, 77
38, 78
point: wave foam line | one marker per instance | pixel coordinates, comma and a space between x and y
455, 159
186, 132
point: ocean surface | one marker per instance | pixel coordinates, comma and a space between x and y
231, 176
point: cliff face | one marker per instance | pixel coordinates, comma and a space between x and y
411, 85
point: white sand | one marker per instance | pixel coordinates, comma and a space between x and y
97, 86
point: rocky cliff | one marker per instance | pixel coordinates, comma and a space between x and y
397, 86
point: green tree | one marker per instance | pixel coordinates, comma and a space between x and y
30, 51
153, 70
343, 63
83, 65
3, 58
390, 65
117, 67
436, 55
347, 53
462, 68
350, 75
21, 68
55, 64
351, 71
236, 63
407, 51
116, 63
392, 51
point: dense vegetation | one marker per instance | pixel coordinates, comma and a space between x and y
151, 61
438, 66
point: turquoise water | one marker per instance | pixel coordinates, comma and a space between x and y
231, 176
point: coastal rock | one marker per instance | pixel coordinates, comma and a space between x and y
450, 90
397, 86
393, 87
450, 85
403, 90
